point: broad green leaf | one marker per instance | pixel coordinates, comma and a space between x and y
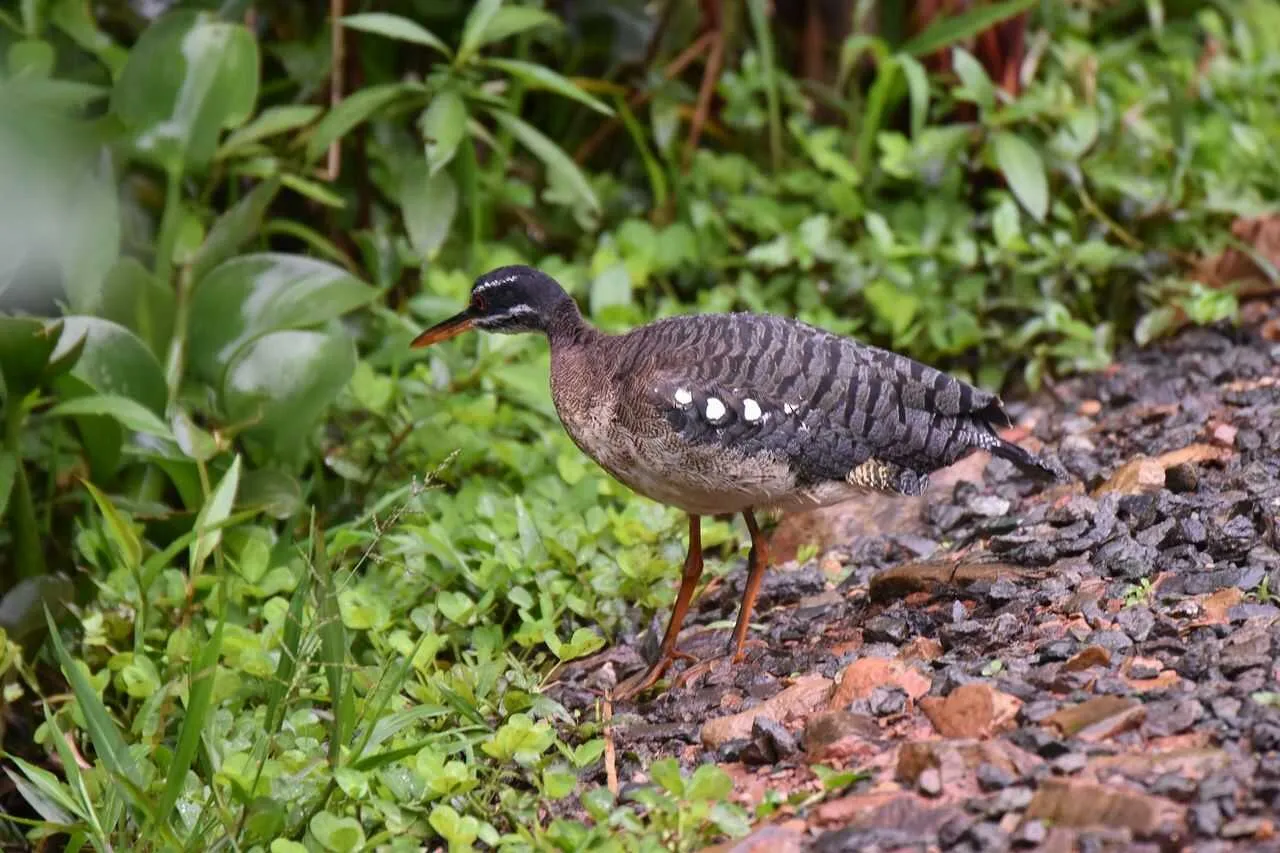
1024, 170
275, 492
513, 20
337, 834
107, 740
215, 511
282, 382
22, 606
710, 783
666, 773
252, 294
114, 361
351, 111
611, 287
948, 29
540, 77
551, 155
270, 122
975, 86
26, 347
473, 28
395, 27
128, 413
133, 297
75, 18
428, 203
444, 126
918, 87
235, 227
188, 76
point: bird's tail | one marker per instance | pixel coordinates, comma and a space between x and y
1042, 469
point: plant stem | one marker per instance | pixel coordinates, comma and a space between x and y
176, 363
22, 511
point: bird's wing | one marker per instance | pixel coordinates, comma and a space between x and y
828, 406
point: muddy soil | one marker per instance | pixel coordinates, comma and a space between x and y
1091, 666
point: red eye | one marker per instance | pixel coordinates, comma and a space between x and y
480, 303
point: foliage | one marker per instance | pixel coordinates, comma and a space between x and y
317, 583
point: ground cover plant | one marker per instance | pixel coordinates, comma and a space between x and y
269, 580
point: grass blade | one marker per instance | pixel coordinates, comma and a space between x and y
333, 645
215, 511
290, 649
954, 28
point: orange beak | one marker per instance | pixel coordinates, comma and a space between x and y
455, 325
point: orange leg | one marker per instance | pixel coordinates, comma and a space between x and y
667, 652
757, 562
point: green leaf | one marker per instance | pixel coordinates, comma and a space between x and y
43, 792
253, 294
918, 87
551, 155
215, 511
337, 834
395, 27
611, 287
513, 20
209, 82
474, 27
107, 740
282, 382
235, 227
199, 700
947, 29
1024, 170
351, 111
270, 122
8, 476
540, 77
429, 203
119, 530
710, 784
975, 85
444, 126
26, 347
666, 773
128, 413
114, 361
133, 297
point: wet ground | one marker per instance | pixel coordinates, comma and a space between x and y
1083, 667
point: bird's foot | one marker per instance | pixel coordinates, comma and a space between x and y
731, 657
631, 687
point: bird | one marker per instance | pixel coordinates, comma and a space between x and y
738, 413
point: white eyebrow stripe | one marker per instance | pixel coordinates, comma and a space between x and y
481, 288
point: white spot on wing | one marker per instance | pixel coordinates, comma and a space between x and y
750, 409
683, 397
715, 409
788, 408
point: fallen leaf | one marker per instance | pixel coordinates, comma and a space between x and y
1193, 454
1074, 718
1067, 802
971, 710
1142, 475
808, 693
864, 675
1087, 657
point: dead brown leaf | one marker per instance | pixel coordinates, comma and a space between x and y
866, 674
807, 694
970, 711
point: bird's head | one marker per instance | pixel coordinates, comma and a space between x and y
507, 300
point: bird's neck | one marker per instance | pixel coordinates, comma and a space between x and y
567, 328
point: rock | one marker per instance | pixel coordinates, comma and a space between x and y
1136, 621
807, 694
840, 734
930, 782
1031, 833
887, 701
886, 629
993, 778
1073, 719
971, 710
770, 742
864, 675
1142, 475
1068, 802
921, 649
1246, 827
1171, 717
770, 838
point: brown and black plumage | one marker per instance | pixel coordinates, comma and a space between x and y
731, 413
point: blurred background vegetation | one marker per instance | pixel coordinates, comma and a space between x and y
309, 582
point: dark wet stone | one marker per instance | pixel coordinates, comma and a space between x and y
1124, 557
887, 701
1056, 650
1182, 478
1156, 534
1142, 669
1038, 709
886, 629
1218, 786
1040, 741
1204, 582
1170, 717
959, 634
1226, 708
1235, 537
987, 836
1072, 762
1264, 735
1004, 590
1188, 531
1113, 641
1136, 621
1205, 818
770, 742
731, 750
993, 778
1245, 649
1247, 610
1175, 786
